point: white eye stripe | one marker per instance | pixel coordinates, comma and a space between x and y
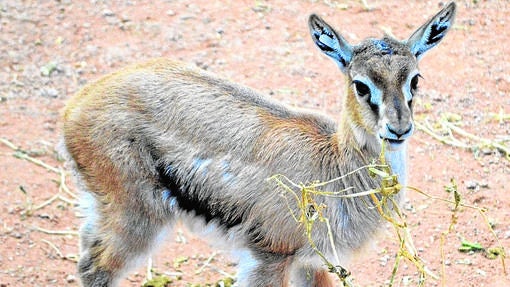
376, 95
406, 88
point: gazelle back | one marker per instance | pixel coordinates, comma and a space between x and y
162, 141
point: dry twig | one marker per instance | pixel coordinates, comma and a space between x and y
62, 187
450, 129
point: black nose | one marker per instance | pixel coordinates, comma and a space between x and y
399, 132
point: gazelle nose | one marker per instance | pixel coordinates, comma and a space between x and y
400, 133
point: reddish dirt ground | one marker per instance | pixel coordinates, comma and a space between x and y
50, 49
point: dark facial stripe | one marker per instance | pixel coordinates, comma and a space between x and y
398, 107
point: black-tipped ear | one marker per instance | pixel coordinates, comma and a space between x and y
330, 43
432, 32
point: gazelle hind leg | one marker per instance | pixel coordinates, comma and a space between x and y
113, 240
265, 270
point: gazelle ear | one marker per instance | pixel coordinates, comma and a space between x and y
330, 43
432, 32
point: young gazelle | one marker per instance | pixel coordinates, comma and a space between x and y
161, 141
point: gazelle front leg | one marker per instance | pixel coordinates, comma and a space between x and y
308, 277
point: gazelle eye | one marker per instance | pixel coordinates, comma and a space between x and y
414, 82
361, 89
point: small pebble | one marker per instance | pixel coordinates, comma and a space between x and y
409, 207
481, 272
108, 13
70, 278
486, 151
464, 262
44, 216
407, 280
471, 185
383, 261
49, 93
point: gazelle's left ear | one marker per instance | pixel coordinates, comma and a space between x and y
432, 32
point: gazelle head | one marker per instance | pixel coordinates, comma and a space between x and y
382, 75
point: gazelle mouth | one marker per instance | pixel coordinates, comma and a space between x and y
393, 142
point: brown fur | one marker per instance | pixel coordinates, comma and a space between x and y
322, 279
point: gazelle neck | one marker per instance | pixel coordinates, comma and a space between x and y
396, 158
371, 145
